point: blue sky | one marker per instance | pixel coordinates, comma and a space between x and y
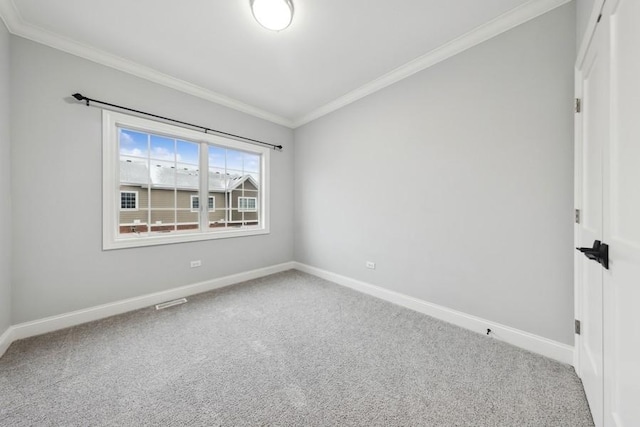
137, 144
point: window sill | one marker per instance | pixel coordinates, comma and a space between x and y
110, 243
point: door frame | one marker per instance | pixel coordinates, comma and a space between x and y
578, 173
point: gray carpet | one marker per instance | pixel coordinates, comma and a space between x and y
285, 350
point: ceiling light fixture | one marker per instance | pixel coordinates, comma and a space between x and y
274, 15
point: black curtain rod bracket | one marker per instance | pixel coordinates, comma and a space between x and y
204, 129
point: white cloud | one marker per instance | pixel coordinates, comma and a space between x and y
162, 153
126, 139
131, 152
157, 153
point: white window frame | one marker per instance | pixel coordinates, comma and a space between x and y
112, 239
211, 199
194, 196
137, 198
248, 210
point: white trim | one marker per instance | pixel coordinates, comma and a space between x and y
528, 341
530, 10
196, 210
534, 343
255, 203
66, 320
493, 28
588, 33
6, 339
577, 204
16, 25
137, 198
113, 239
210, 198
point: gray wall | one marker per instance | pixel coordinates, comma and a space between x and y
5, 185
457, 182
58, 262
583, 13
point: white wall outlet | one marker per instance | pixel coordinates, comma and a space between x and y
371, 265
196, 263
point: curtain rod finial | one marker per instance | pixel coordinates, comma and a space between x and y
80, 97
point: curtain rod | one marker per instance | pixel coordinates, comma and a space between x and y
81, 97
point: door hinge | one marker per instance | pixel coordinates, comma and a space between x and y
578, 105
577, 326
577, 216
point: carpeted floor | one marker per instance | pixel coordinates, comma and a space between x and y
285, 350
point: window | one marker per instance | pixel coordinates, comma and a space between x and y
195, 203
247, 204
128, 200
155, 174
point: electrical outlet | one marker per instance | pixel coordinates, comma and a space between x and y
196, 263
371, 265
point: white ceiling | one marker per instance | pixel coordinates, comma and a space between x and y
335, 51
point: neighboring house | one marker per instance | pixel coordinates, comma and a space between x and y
174, 204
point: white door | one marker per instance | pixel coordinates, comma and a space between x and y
608, 192
622, 220
595, 131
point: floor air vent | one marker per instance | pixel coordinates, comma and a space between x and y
170, 303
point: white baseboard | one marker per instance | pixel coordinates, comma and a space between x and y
546, 347
534, 343
5, 340
53, 323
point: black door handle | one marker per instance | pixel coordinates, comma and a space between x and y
598, 253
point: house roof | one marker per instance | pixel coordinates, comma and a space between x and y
164, 176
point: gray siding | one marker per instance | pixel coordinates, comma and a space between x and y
165, 211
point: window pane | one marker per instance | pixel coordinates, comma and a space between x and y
217, 209
218, 184
133, 143
250, 218
132, 219
188, 152
163, 148
162, 198
251, 162
188, 183
235, 160
217, 157
256, 179
188, 219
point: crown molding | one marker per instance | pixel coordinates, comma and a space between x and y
530, 10
17, 26
497, 26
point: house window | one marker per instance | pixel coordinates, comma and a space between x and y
195, 203
128, 200
155, 174
247, 204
